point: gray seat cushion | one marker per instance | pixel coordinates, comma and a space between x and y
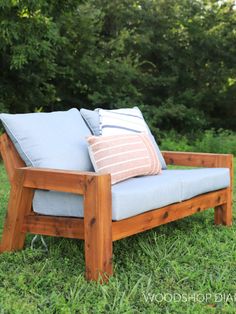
199, 181
141, 194
50, 140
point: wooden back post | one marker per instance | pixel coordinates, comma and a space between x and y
10, 156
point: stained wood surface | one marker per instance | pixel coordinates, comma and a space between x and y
57, 180
10, 156
67, 227
18, 207
224, 212
98, 227
197, 159
161, 216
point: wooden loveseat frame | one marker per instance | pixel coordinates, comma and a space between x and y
97, 228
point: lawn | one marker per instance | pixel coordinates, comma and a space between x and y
187, 266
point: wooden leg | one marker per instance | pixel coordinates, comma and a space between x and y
218, 215
19, 205
224, 212
98, 228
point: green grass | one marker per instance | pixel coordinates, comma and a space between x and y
190, 258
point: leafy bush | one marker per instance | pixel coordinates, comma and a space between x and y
177, 59
174, 141
211, 141
216, 141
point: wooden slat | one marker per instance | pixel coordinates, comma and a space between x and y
57, 180
154, 218
98, 227
54, 226
197, 159
10, 156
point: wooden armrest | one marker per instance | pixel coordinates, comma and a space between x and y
198, 159
57, 180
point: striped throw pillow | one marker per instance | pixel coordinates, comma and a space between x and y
93, 120
124, 156
122, 121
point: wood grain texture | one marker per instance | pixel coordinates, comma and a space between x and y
52, 179
19, 206
66, 227
224, 212
98, 228
197, 159
161, 216
10, 156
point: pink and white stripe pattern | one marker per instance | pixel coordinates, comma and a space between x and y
124, 156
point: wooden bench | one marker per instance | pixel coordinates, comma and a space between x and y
97, 228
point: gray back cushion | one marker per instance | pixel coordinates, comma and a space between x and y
91, 117
50, 140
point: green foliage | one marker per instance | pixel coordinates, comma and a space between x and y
28, 46
175, 142
217, 141
211, 141
175, 59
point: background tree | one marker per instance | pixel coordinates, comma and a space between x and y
174, 59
